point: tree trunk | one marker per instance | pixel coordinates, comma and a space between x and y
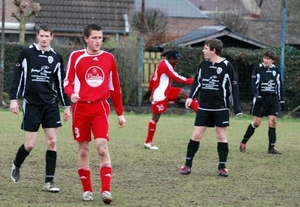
22, 31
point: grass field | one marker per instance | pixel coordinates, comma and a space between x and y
148, 178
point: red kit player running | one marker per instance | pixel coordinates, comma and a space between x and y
162, 92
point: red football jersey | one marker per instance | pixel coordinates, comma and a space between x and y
94, 78
161, 80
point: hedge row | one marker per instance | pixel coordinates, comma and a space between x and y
127, 57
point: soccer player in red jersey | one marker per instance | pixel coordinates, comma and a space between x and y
162, 92
91, 79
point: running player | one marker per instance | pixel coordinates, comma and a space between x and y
267, 88
162, 92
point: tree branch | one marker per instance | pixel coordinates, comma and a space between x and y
15, 16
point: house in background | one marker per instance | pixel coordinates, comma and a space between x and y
69, 17
264, 18
247, 9
229, 38
182, 15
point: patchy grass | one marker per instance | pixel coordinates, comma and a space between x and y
151, 178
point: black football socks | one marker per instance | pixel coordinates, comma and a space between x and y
192, 148
20, 156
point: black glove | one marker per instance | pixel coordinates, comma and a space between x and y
259, 101
147, 95
282, 106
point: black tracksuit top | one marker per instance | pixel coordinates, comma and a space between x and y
267, 81
39, 76
217, 85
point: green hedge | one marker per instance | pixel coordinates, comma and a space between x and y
244, 60
11, 55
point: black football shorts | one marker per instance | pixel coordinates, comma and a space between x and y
35, 115
212, 118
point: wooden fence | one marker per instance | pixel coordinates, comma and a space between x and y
150, 61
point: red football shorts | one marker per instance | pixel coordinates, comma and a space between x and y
90, 117
159, 107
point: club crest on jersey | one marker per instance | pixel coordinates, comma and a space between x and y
50, 59
274, 73
219, 70
94, 76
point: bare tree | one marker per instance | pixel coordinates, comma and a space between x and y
233, 22
23, 16
155, 21
153, 26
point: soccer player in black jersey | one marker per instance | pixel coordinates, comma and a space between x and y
217, 86
267, 88
38, 78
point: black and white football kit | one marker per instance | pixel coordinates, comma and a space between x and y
266, 83
38, 77
218, 82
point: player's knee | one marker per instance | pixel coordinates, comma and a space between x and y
196, 136
29, 146
255, 124
83, 152
102, 151
273, 123
51, 143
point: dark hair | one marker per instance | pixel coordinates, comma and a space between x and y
174, 54
45, 27
214, 44
270, 54
87, 30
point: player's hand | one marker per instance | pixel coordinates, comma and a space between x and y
259, 101
122, 121
75, 97
67, 113
188, 102
14, 106
282, 105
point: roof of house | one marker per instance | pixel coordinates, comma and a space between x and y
73, 16
245, 8
173, 8
229, 38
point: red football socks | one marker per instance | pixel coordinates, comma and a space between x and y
151, 131
105, 177
85, 178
